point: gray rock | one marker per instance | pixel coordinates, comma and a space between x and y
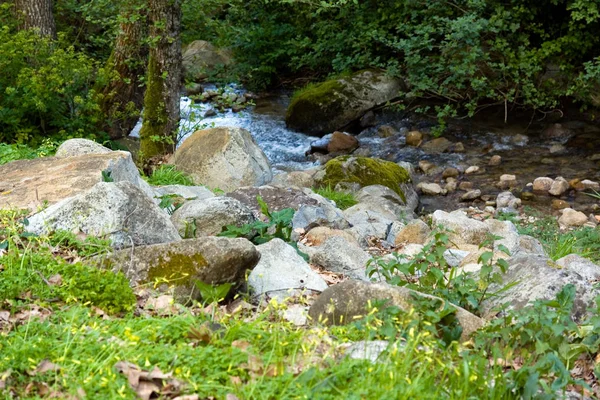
432, 189
212, 260
559, 186
584, 267
508, 233
536, 277
294, 178
507, 199
281, 270
463, 230
437, 145
342, 257
366, 350
471, 195
542, 184
530, 245
119, 211
308, 217
415, 231
79, 147
571, 218
208, 217
348, 300
277, 198
454, 256
187, 192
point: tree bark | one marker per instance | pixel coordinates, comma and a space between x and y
123, 96
161, 101
37, 14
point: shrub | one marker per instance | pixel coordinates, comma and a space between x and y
45, 88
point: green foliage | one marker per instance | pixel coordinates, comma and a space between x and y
428, 272
465, 54
45, 88
342, 200
13, 152
213, 293
168, 174
34, 267
546, 340
170, 203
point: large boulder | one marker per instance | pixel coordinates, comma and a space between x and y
331, 105
282, 270
208, 217
80, 147
349, 300
118, 211
223, 158
364, 171
533, 277
212, 260
201, 59
32, 183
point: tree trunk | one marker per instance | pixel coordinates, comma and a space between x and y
123, 96
161, 101
37, 14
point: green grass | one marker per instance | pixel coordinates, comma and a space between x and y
343, 200
169, 175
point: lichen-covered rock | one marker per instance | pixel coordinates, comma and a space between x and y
201, 58
536, 277
223, 158
31, 183
415, 231
281, 270
365, 172
317, 236
331, 105
208, 217
118, 211
80, 147
177, 265
584, 267
349, 300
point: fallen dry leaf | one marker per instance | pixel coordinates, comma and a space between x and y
44, 366
147, 383
55, 280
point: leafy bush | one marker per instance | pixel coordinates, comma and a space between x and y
12, 152
45, 88
428, 272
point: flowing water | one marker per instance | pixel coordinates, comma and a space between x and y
524, 152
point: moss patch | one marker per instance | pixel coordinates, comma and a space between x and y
365, 171
177, 268
320, 102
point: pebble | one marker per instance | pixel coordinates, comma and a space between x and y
426, 166
495, 160
507, 181
559, 186
542, 184
414, 138
472, 169
465, 185
471, 195
430, 188
450, 172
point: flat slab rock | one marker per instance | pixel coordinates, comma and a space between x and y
31, 183
277, 198
213, 260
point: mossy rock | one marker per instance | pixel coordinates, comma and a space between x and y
331, 105
365, 171
176, 266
